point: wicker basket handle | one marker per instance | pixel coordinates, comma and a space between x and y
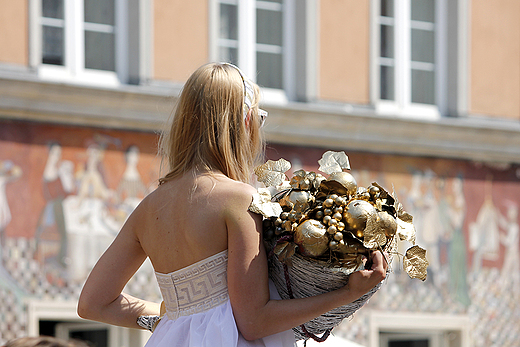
307, 333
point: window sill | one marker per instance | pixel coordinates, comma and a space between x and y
86, 77
326, 126
411, 111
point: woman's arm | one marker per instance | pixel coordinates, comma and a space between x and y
102, 299
258, 316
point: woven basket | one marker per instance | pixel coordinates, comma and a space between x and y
310, 277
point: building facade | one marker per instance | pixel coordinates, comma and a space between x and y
422, 95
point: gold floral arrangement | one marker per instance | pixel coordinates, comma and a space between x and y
319, 229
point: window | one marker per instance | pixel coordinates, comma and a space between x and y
84, 40
410, 56
59, 319
96, 334
258, 37
432, 339
388, 329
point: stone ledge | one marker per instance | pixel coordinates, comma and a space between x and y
457, 138
146, 108
129, 107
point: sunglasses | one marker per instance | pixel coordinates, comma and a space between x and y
263, 115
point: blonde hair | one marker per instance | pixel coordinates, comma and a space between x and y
208, 131
44, 341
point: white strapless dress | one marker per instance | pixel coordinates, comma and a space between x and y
198, 310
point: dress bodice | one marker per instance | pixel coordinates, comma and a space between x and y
196, 288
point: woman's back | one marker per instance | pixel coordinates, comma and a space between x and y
182, 221
200, 209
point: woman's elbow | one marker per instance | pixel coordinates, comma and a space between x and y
83, 310
251, 330
250, 334
86, 309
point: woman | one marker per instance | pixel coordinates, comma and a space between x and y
197, 231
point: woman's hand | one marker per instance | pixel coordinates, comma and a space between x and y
360, 282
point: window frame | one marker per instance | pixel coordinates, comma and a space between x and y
435, 339
248, 47
402, 104
436, 326
74, 70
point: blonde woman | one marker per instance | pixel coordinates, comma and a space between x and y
204, 244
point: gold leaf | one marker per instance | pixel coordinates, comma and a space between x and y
415, 263
406, 231
298, 177
278, 249
382, 191
405, 217
350, 264
285, 252
300, 207
373, 235
262, 204
332, 187
272, 173
384, 195
333, 162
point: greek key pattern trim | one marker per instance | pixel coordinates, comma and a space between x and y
196, 288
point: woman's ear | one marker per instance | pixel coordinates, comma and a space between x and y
248, 118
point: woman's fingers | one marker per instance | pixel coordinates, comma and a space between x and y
379, 264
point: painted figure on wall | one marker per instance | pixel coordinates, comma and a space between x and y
422, 202
454, 214
90, 226
51, 234
8, 173
131, 189
510, 240
484, 232
82, 214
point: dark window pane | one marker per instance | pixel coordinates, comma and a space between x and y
423, 46
423, 87
228, 55
52, 9
387, 41
99, 11
95, 338
99, 51
387, 83
277, 1
423, 10
228, 22
269, 70
387, 8
408, 343
52, 45
269, 27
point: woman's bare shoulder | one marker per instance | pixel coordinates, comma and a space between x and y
235, 191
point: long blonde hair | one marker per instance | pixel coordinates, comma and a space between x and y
208, 131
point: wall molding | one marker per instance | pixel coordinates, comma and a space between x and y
147, 108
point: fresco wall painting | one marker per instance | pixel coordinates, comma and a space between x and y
66, 191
